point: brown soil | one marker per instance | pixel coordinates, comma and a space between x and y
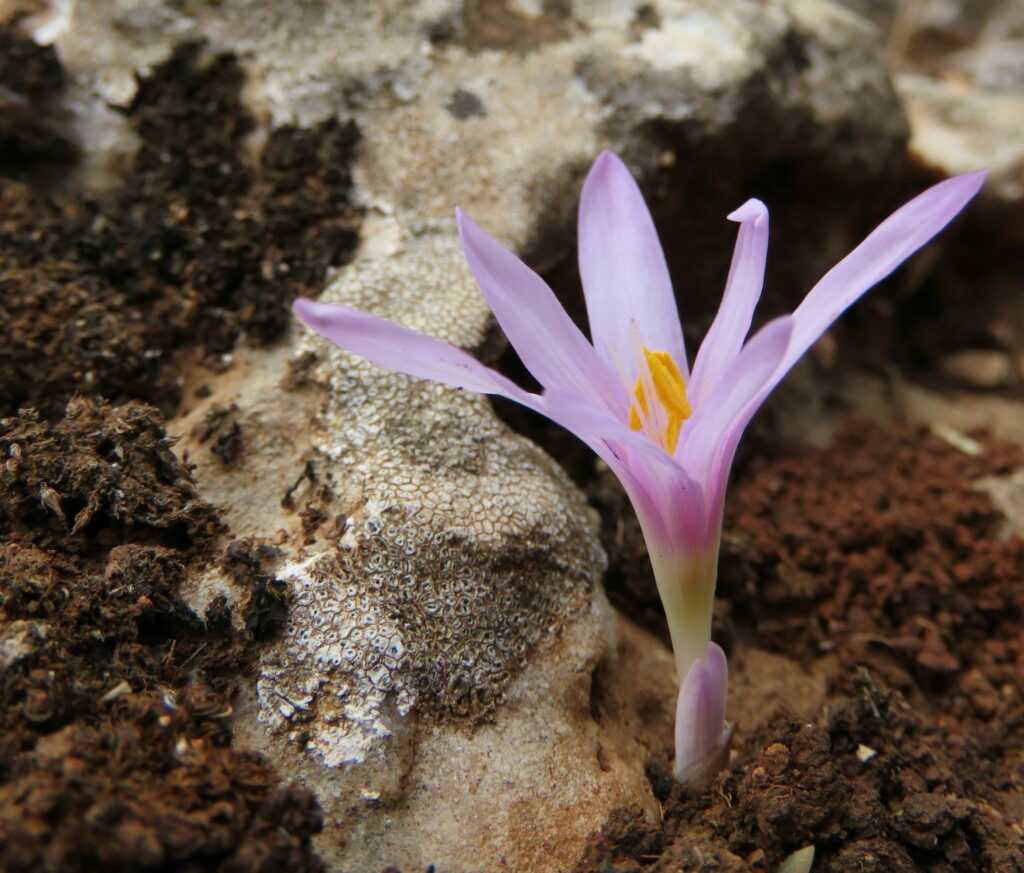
869, 783
114, 743
115, 747
890, 557
200, 247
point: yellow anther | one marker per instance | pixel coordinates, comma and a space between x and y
634, 416
668, 383
670, 387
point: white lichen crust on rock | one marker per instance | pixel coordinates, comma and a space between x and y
464, 545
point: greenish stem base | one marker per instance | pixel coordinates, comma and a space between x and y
686, 583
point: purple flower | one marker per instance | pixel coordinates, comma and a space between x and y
667, 433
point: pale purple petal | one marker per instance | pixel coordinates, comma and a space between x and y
884, 249
659, 487
702, 734
709, 438
668, 502
742, 291
744, 385
398, 348
625, 277
545, 338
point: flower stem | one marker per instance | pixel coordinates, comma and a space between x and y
686, 583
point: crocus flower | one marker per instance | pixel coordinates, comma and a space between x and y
668, 433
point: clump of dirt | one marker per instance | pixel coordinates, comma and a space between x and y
869, 784
266, 611
203, 244
114, 746
157, 788
99, 478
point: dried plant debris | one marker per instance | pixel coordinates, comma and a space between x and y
114, 696
868, 784
100, 477
199, 247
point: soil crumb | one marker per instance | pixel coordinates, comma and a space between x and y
202, 245
115, 748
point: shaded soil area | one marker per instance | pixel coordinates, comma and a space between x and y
115, 750
202, 245
888, 557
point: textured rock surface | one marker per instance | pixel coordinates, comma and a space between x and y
961, 75
956, 126
448, 646
462, 543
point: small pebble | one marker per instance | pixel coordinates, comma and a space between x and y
978, 368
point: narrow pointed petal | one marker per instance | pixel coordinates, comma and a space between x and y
710, 437
702, 733
398, 348
625, 277
884, 249
742, 291
553, 349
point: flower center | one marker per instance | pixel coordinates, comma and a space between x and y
661, 377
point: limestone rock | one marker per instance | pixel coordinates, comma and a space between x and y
444, 576
960, 77
956, 127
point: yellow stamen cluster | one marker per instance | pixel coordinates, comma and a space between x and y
670, 387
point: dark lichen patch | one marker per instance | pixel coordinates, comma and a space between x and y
465, 104
431, 615
199, 247
114, 695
